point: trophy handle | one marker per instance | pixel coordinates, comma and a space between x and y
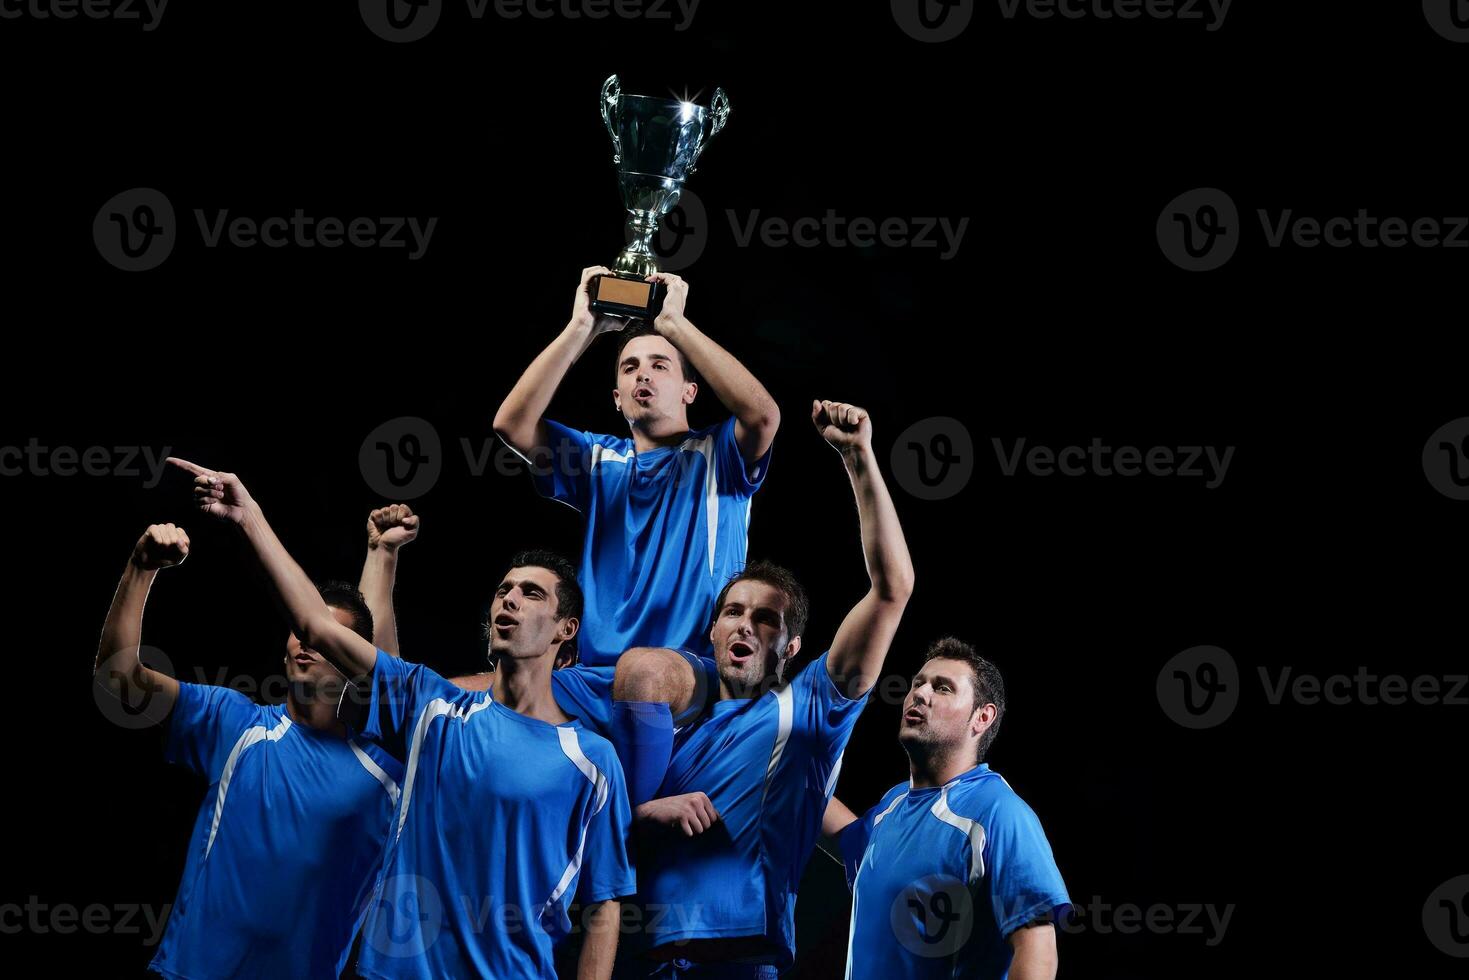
718, 115
611, 95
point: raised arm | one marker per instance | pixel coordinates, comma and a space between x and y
756, 416
118, 666
223, 496
519, 418
862, 641
388, 529
836, 818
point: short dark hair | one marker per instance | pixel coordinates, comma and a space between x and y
569, 597
642, 328
343, 595
798, 607
989, 686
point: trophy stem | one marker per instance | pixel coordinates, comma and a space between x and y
637, 259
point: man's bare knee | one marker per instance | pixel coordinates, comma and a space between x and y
654, 674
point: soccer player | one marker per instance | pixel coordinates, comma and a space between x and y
667, 513
951, 873
290, 834
746, 789
507, 803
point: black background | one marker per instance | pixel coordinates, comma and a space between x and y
1059, 320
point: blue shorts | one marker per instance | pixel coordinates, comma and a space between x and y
586, 692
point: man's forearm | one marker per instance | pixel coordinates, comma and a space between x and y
599, 948
836, 818
307, 612
737, 389
122, 633
520, 414
885, 549
1035, 955
379, 575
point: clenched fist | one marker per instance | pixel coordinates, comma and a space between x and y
391, 527
691, 813
844, 426
161, 546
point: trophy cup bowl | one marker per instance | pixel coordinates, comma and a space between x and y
656, 144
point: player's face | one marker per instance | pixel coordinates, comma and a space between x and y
750, 636
305, 665
939, 708
523, 619
650, 381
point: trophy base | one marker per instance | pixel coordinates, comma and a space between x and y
626, 296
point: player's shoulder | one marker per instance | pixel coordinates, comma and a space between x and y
984, 795
891, 797
596, 748
603, 439
218, 696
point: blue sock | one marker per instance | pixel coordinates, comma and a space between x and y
642, 733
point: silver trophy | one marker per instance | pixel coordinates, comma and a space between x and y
655, 145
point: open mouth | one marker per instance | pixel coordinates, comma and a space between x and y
642, 393
914, 717
740, 651
504, 624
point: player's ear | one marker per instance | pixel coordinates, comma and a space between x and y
569, 626
690, 389
793, 648
617, 399
984, 717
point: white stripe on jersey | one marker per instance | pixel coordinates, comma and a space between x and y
375, 770
705, 447
602, 453
967, 827
572, 749
785, 705
432, 710
249, 738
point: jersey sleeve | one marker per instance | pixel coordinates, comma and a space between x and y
736, 477
852, 840
397, 692
823, 711
204, 725
606, 871
567, 475
1020, 870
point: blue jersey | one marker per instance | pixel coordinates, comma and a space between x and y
665, 530
942, 876
286, 845
501, 817
768, 765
